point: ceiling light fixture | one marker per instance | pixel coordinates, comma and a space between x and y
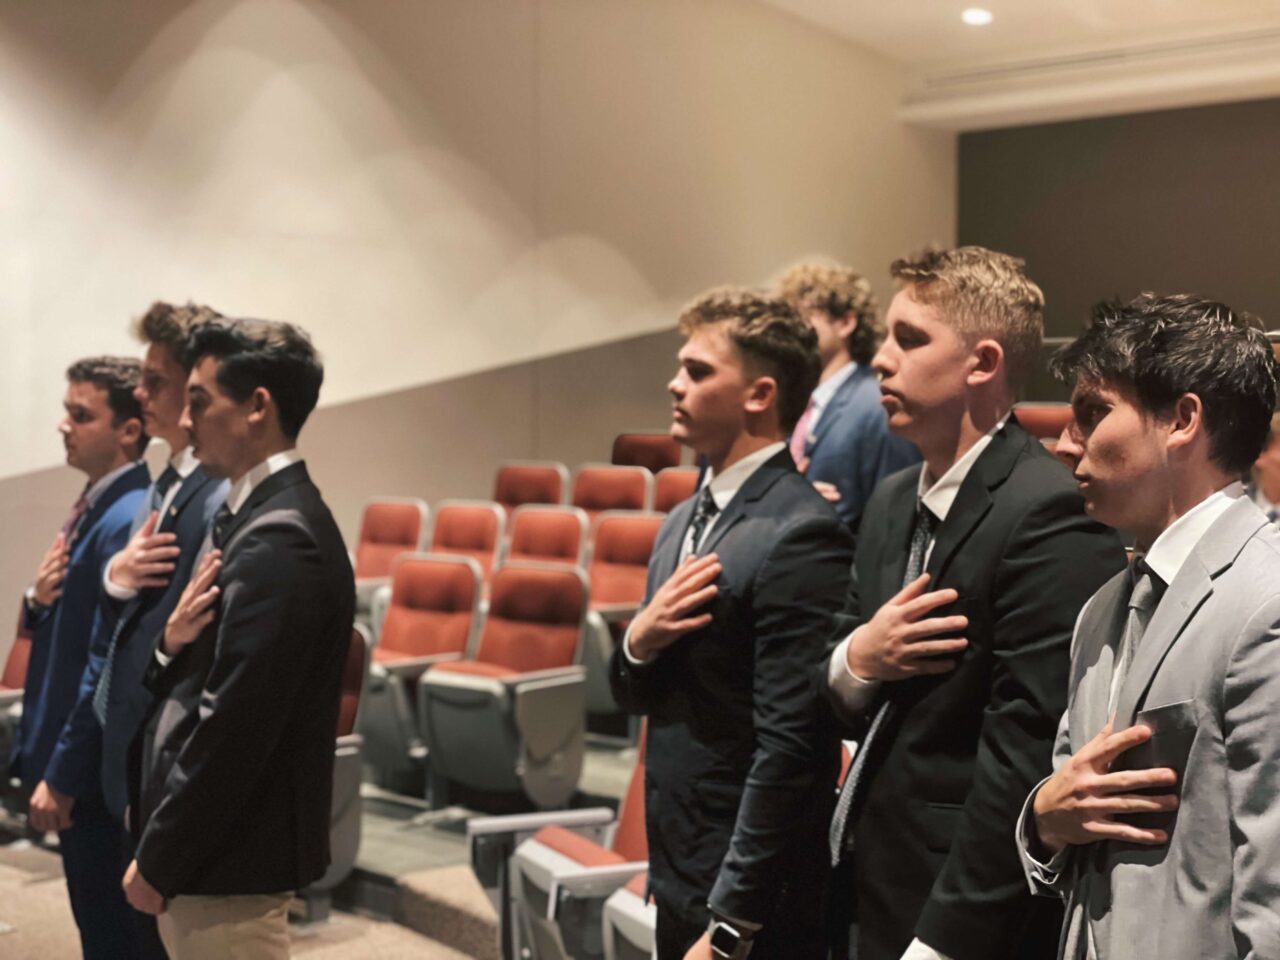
977, 17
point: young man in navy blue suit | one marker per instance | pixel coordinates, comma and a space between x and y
143, 581
57, 751
843, 442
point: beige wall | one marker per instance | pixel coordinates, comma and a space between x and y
433, 188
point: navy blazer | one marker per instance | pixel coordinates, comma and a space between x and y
140, 622
742, 757
59, 738
852, 446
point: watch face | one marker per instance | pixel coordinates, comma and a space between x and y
724, 939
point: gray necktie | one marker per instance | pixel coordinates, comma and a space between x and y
837, 837
703, 513
1147, 588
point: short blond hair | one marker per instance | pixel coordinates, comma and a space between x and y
771, 337
837, 291
981, 293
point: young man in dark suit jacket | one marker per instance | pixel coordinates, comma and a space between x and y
843, 442
58, 748
236, 757
971, 570
143, 581
744, 584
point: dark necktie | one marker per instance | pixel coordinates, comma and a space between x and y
218, 532
162, 485
704, 512
921, 533
1147, 590
78, 510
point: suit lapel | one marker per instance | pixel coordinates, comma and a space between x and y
191, 484
290, 476
831, 412
134, 478
666, 553
973, 499
902, 517
755, 487
1193, 584
1093, 660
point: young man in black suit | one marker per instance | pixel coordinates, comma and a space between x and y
143, 581
971, 570
237, 754
744, 585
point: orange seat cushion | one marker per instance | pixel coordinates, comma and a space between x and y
475, 668
576, 847
638, 883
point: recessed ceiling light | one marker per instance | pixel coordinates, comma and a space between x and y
977, 17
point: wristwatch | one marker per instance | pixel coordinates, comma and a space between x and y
728, 942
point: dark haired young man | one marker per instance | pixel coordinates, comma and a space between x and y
143, 581
744, 584
842, 440
971, 569
58, 746
1160, 825
236, 758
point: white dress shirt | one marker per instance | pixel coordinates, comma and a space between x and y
184, 463
724, 487
855, 692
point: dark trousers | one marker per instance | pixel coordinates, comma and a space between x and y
92, 850
778, 941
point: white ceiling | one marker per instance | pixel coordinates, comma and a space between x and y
1044, 60
929, 32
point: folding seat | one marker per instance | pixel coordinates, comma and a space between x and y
552, 876
601, 486
547, 534
432, 616
344, 819
14, 677
653, 451
469, 528
616, 573
530, 481
13, 796
389, 527
1044, 421
512, 720
672, 486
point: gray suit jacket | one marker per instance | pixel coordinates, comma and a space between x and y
1206, 678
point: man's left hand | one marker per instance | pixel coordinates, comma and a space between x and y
829, 491
49, 809
141, 895
701, 950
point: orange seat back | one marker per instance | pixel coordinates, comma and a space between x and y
672, 486
15, 666
653, 451
630, 841
600, 487
352, 683
433, 603
620, 557
535, 617
548, 534
469, 529
529, 482
388, 528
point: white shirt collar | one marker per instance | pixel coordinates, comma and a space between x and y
824, 391
1174, 545
184, 462
1260, 499
725, 485
92, 494
940, 495
241, 489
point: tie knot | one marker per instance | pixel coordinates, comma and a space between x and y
166, 480
707, 505
221, 520
1146, 586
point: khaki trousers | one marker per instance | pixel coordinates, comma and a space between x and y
226, 928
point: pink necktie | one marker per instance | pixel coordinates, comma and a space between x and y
78, 511
800, 435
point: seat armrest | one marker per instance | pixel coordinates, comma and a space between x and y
413, 666
9, 697
590, 883
492, 840
555, 677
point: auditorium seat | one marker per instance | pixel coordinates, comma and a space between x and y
562, 868
601, 486
616, 573
530, 481
14, 676
673, 486
389, 527
432, 616
345, 810
1044, 421
547, 534
653, 451
512, 719
469, 528
13, 797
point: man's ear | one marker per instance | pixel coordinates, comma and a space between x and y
130, 432
260, 401
762, 394
844, 326
987, 362
1187, 422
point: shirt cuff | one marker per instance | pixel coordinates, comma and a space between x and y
919, 950
626, 650
114, 590
1046, 872
854, 692
161, 659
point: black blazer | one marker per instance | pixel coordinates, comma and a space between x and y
742, 754
933, 852
140, 622
236, 757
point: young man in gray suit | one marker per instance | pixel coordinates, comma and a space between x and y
1159, 826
